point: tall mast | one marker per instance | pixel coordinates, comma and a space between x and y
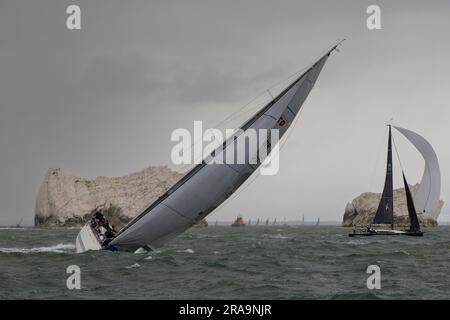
385, 211
392, 174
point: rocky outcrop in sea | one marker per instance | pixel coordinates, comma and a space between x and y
361, 211
65, 200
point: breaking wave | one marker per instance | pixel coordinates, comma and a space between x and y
59, 248
186, 251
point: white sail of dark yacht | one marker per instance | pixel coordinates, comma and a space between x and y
209, 184
427, 196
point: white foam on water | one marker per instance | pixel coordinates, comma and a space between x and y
136, 265
278, 236
59, 248
275, 236
149, 258
186, 251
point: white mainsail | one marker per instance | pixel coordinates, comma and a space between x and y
427, 197
206, 186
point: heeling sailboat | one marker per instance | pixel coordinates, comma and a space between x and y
427, 200
209, 184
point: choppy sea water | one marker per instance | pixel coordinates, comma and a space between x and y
221, 262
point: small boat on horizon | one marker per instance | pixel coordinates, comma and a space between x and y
239, 222
18, 225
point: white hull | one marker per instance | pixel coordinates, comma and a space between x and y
86, 240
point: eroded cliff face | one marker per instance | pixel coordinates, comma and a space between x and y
361, 211
65, 200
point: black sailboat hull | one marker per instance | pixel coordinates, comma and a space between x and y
386, 233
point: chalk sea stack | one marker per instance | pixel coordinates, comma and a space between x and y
65, 200
361, 211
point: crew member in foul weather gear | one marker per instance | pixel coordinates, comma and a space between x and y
104, 229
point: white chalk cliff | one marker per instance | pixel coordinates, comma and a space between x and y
65, 200
361, 211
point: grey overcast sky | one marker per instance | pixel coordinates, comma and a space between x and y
104, 100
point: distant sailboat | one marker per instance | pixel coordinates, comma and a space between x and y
284, 222
426, 198
318, 221
249, 222
267, 222
303, 220
274, 221
216, 222
19, 224
210, 183
257, 222
239, 222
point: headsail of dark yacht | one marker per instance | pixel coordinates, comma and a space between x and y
413, 220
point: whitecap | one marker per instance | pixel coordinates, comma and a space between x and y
136, 265
59, 248
278, 236
186, 251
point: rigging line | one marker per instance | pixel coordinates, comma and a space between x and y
329, 49
377, 161
429, 187
293, 75
234, 114
258, 172
398, 156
